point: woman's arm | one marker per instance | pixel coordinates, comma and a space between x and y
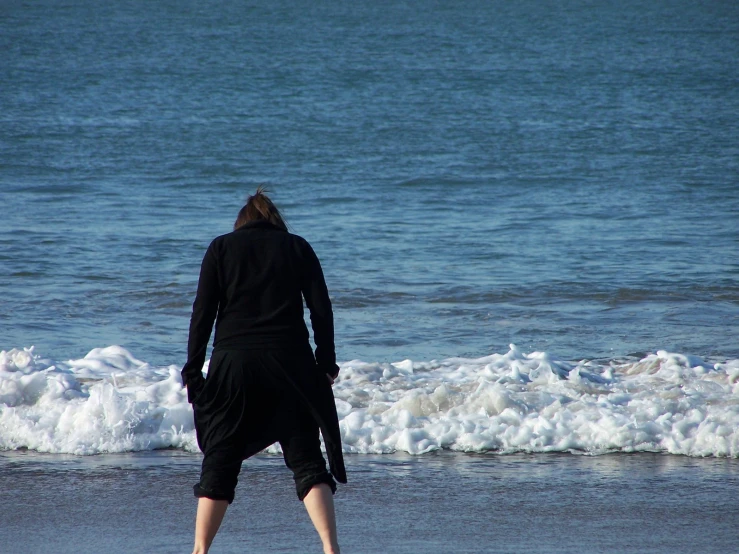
321, 314
204, 311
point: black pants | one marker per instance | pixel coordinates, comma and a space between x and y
245, 406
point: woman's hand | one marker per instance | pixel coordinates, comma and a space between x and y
330, 379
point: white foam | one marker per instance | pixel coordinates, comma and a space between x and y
106, 402
109, 401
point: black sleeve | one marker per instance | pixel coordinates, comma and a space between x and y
321, 315
204, 311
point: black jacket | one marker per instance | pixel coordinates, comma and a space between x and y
252, 284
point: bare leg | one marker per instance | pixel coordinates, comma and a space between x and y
320, 505
210, 515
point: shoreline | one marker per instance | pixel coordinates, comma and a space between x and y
472, 503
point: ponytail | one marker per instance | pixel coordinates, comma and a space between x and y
259, 207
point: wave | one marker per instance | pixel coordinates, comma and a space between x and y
109, 401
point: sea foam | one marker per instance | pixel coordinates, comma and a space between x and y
109, 401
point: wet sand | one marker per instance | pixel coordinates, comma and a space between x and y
543, 503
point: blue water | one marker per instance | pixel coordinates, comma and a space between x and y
564, 177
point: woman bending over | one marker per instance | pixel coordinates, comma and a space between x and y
264, 383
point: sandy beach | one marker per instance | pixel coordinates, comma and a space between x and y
542, 503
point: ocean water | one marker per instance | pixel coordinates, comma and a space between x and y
560, 179
563, 178
527, 214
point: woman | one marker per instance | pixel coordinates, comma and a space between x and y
264, 383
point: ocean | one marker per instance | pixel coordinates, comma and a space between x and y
528, 218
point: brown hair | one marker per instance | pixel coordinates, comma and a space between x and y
259, 207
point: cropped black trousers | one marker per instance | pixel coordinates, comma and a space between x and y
247, 403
